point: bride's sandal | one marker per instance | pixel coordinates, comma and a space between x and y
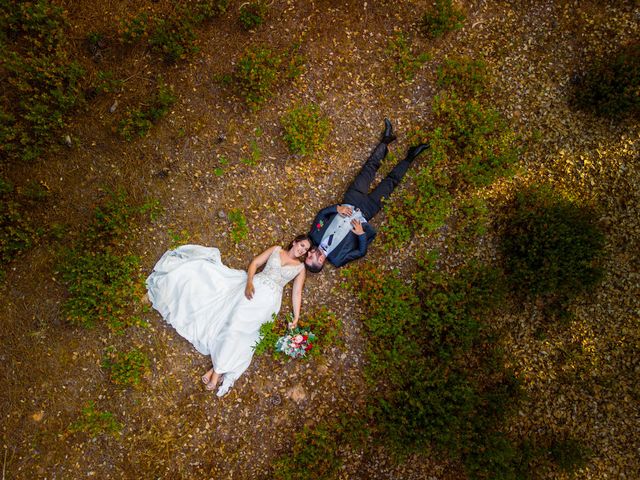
206, 378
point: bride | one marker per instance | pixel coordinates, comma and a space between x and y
219, 309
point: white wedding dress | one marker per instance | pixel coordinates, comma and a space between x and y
204, 301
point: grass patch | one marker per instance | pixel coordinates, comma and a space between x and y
239, 228
44, 84
253, 14
260, 70
126, 369
406, 62
138, 121
306, 129
464, 75
103, 279
96, 423
441, 19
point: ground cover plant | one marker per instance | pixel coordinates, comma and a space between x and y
95, 422
442, 18
138, 121
464, 75
126, 369
45, 82
305, 128
406, 62
551, 247
102, 277
252, 14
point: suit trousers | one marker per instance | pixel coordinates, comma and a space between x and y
358, 194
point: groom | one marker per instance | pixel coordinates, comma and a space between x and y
342, 233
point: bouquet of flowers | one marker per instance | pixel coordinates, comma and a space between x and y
296, 343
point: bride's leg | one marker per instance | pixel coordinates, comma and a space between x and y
206, 378
213, 383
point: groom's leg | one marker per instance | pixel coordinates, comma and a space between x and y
362, 182
389, 183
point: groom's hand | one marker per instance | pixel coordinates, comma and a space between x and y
344, 211
357, 227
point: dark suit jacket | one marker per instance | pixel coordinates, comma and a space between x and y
353, 246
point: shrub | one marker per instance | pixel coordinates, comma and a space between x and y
442, 19
138, 122
268, 338
96, 423
305, 128
174, 38
327, 328
315, 451
611, 87
476, 139
104, 282
178, 238
126, 369
406, 62
239, 229
568, 453
137, 28
252, 14
17, 232
550, 246
44, 84
419, 211
467, 77
260, 70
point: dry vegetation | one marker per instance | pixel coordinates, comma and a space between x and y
580, 379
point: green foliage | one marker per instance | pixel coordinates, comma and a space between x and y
474, 138
470, 223
223, 161
96, 423
255, 154
239, 228
551, 247
422, 211
17, 232
260, 70
440, 383
178, 238
305, 128
104, 282
268, 338
328, 330
107, 83
43, 83
314, 455
466, 76
174, 38
252, 14
611, 87
405, 62
138, 122
136, 28
442, 19
126, 368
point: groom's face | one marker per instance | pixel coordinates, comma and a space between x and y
315, 257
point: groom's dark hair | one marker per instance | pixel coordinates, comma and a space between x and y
315, 268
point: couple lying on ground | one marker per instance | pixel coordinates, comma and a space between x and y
220, 310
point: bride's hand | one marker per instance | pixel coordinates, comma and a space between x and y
293, 324
249, 290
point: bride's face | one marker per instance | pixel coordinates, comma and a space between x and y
301, 247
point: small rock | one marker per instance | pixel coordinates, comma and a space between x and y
296, 393
67, 141
221, 214
113, 107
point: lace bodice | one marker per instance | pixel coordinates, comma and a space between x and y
277, 275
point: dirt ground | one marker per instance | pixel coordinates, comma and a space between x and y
173, 428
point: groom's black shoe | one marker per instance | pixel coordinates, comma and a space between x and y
413, 152
388, 136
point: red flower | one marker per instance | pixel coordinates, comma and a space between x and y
308, 347
304, 337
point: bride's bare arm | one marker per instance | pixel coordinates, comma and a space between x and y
256, 263
296, 297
